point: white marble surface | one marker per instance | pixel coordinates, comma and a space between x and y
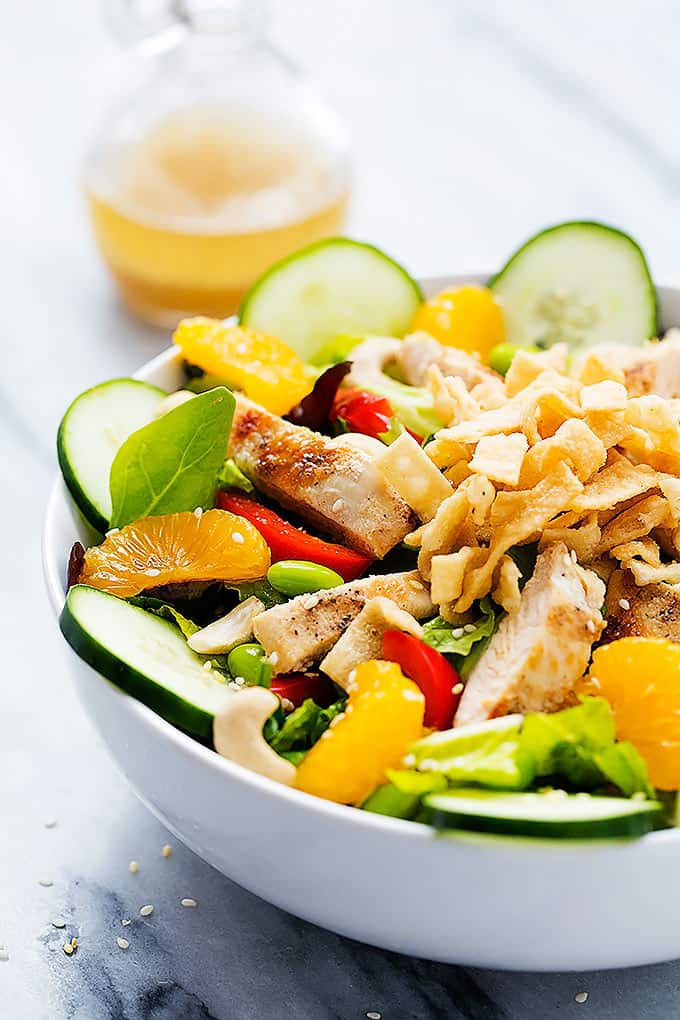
474, 123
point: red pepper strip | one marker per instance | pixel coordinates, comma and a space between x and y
365, 412
428, 668
290, 543
299, 686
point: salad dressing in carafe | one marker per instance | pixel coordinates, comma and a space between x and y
222, 165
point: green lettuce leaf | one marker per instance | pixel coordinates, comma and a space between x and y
305, 724
264, 591
172, 463
488, 753
440, 635
589, 725
622, 765
166, 611
231, 477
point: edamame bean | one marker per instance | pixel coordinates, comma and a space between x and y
300, 577
501, 356
250, 662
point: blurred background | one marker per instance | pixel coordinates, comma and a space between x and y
473, 123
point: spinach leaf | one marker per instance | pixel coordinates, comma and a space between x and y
453, 639
172, 463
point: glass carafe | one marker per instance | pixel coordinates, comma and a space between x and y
222, 162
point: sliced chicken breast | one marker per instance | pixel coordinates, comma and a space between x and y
333, 486
651, 610
300, 633
655, 368
419, 350
539, 652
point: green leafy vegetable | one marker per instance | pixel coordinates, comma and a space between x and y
489, 753
231, 477
166, 611
413, 405
265, 592
590, 726
393, 432
172, 463
453, 639
303, 727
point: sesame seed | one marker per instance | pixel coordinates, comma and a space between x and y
338, 505
590, 626
581, 997
274, 658
409, 760
624, 603
287, 705
372, 1015
457, 632
152, 571
146, 910
45, 882
126, 921
198, 513
133, 867
68, 948
207, 665
574, 557
469, 628
457, 688
238, 538
4, 955
58, 922
122, 943
74, 942
112, 531
312, 601
167, 850
188, 902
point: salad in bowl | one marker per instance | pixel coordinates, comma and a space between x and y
416, 556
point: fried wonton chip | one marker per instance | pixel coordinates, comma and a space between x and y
583, 539
670, 487
596, 368
507, 593
604, 396
452, 400
610, 427
527, 366
410, 471
645, 549
442, 533
617, 481
574, 443
516, 517
635, 522
500, 457
448, 573
444, 447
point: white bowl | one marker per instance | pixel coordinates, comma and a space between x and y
477, 900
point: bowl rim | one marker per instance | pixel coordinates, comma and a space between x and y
341, 813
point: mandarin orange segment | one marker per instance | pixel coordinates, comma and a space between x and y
175, 548
264, 367
640, 678
466, 317
383, 717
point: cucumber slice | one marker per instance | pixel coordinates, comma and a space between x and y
579, 283
563, 816
90, 434
145, 656
332, 289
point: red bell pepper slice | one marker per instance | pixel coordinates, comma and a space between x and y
297, 687
287, 542
430, 670
364, 412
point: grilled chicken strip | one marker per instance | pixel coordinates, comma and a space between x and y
539, 652
333, 486
655, 368
300, 633
419, 350
652, 610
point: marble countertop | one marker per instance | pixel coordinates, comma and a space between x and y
474, 123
